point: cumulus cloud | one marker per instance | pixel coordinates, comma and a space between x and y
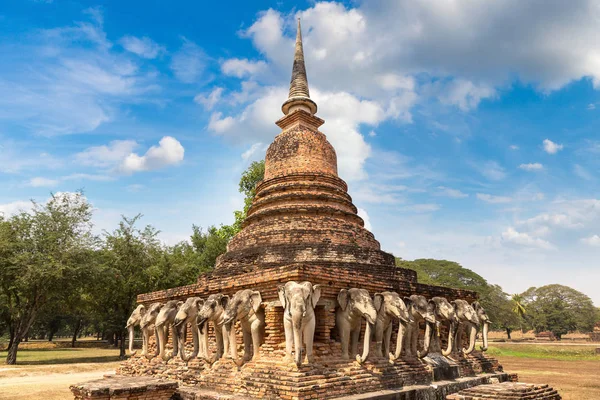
365, 216
143, 47
8, 209
211, 99
550, 147
106, 155
488, 198
512, 236
168, 152
531, 167
241, 68
255, 149
593, 240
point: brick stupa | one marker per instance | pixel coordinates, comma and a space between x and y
302, 225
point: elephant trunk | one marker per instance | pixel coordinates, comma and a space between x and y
162, 341
451, 334
131, 333
297, 344
182, 354
146, 341
362, 358
486, 326
427, 340
399, 340
230, 329
472, 336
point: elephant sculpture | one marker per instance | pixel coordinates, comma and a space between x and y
134, 320
299, 301
213, 310
245, 306
444, 313
354, 305
187, 314
164, 321
149, 321
467, 321
389, 307
420, 311
483, 320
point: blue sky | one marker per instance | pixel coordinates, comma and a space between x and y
467, 130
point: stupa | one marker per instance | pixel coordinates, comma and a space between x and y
303, 226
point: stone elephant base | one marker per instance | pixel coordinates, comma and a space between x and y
272, 377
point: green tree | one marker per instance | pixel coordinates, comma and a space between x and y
559, 309
250, 178
44, 253
518, 308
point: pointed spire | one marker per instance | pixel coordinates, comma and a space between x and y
299, 97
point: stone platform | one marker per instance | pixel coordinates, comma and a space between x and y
125, 388
507, 391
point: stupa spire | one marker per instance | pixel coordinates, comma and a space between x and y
299, 96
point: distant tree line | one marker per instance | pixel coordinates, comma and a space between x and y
58, 277
555, 308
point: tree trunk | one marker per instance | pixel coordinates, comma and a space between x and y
115, 339
75, 332
123, 335
11, 357
508, 332
50, 336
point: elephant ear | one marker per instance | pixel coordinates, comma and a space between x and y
142, 310
281, 293
224, 300
431, 306
378, 301
343, 299
179, 303
408, 302
199, 303
316, 295
476, 306
256, 300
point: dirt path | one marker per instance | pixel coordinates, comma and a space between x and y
575, 380
40, 383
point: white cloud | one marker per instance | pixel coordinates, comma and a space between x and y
550, 147
253, 150
14, 207
168, 152
241, 68
488, 198
143, 47
210, 100
42, 182
531, 167
422, 208
513, 147
492, 170
465, 94
591, 106
188, 62
593, 240
106, 155
449, 192
363, 214
512, 236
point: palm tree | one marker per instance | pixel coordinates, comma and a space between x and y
518, 307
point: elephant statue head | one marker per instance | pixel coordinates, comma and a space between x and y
187, 314
213, 310
134, 320
245, 306
420, 310
164, 321
299, 301
484, 320
467, 320
444, 311
389, 307
148, 320
355, 304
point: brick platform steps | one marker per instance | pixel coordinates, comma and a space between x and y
438, 391
507, 391
113, 387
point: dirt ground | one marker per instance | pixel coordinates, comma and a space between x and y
575, 380
48, 382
